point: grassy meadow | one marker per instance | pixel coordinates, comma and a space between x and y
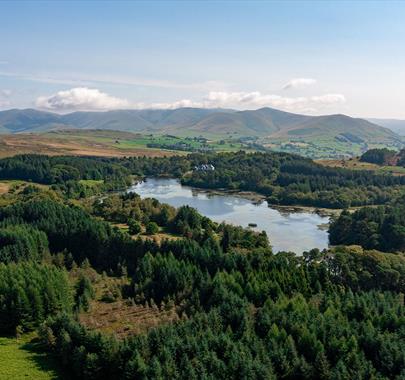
23, 359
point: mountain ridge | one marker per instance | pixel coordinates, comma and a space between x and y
262, 123
396, 125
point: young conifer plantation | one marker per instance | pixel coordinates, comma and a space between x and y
207, 300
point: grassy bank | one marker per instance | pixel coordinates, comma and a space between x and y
23, 359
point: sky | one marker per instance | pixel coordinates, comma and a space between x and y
306, 57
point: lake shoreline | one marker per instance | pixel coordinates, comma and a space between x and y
259, 198
255, 198
290, 228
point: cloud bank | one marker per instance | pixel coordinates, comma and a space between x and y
299, 82
86, 99
257, 99
81, 98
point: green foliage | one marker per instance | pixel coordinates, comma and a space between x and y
84, 292
58, 169
134, 227
72, 229
152, 228
24, 358
22, 242
366, 270
124, 207
29, 293
288, 179
250, 314
235, 236
259, 316
189, 222
380, 228
284, 178
244, 312
66, 173
378, 156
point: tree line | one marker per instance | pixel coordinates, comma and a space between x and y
380, 228
30, 292
66, 172
283, 178
384, 156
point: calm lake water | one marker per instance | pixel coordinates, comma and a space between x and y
287, 231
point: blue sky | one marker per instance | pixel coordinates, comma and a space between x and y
309, 57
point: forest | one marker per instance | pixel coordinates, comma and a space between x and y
242, 311
384, 157
380, 227
285, 179
292, 180
66, 172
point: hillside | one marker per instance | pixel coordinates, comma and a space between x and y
316, 136
261, 122
27, 120
397, 126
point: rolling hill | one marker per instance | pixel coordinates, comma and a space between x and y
27, 120
397, 126
339, 134
261, 122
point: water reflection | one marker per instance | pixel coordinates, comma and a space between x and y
287, 230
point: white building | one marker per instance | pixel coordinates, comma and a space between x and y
204, 167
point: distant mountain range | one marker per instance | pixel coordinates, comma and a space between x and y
262, 123
397, 126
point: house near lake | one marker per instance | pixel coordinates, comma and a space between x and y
204, 167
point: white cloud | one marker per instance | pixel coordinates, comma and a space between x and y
252, 100
299, 82
170, 105
86, 99
81, 98
257, 100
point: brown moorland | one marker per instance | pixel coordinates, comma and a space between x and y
54, 145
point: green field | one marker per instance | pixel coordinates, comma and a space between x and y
189, 143
91, 182
23, 359
120, 144
126, 141
320, 148
356, 164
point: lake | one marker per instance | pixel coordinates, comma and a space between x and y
287, 231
